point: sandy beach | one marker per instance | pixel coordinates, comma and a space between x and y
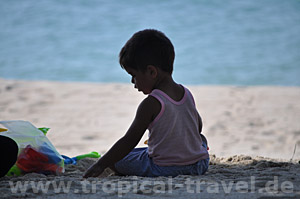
252, 134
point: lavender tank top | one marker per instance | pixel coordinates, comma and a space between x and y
174, 137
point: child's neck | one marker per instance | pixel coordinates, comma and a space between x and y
170, 87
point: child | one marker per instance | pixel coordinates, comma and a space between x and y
175, 145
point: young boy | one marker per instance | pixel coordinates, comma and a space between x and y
175, 145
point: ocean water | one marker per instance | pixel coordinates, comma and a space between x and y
232, 42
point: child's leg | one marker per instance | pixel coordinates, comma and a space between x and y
8, 154
198, 168
137, 162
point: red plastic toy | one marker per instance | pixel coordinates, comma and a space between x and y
31, 160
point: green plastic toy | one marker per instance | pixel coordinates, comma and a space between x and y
44, 130
14, 171
74, 160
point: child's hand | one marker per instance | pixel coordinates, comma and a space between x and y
94, 171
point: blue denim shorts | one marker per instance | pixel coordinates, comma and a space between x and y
138, 163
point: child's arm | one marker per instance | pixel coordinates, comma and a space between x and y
200, 123
200, 130
148, 108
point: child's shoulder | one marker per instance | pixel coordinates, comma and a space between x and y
150, 105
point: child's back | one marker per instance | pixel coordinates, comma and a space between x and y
174, 136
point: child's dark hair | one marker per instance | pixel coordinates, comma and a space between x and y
148, 47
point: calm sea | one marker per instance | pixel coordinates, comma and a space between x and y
234, 42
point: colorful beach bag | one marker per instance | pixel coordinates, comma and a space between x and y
36, 153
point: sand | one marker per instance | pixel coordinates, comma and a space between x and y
252, 134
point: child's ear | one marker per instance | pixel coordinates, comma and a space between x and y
152, 71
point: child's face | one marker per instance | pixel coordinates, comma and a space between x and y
143, 81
